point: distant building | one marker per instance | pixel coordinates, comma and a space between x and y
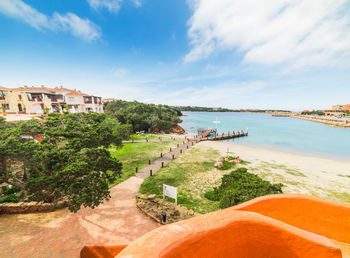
341, 107
109, 100
35, 100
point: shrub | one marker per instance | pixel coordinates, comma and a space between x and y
13, 189
241, 186
10, 198
226, 165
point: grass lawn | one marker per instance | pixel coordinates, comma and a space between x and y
134, 155
151, 136
193, 173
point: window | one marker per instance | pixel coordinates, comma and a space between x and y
3, 95
88, 100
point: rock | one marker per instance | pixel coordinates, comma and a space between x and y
155, 130
178, 130
219, 164
151, 197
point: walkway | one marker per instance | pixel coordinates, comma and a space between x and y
64, 234
157, 164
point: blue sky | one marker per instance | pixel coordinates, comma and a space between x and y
288, 54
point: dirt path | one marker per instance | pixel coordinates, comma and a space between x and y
64, 234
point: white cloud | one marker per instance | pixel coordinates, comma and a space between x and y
70, 22
20, 10
137, 3
81, 28
296, 33
119, 72
111, 5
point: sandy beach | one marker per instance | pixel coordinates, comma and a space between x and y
299, 173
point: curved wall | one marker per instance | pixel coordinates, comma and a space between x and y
231, 233
321, 216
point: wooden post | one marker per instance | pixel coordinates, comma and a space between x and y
149, 162
146, 139
161, 154
170, 149
162, 164
186, 146
137, 169
180, 151
173, 156
150, 172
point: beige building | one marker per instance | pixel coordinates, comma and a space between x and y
36, 100
341, 107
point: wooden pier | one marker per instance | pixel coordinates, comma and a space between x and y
205, 135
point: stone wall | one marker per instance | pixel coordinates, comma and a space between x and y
29, 207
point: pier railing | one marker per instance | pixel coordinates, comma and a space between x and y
205, 136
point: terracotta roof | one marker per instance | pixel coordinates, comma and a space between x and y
33, 88
3, 88
65, 89
78, 93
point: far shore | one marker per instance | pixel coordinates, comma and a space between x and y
299, 173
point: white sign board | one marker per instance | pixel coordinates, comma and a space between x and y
170, 191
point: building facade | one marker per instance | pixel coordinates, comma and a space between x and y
341, 107
38, 100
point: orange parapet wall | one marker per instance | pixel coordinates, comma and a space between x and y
321, 216
285, 225
231, 233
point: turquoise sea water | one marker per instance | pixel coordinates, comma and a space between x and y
277, 133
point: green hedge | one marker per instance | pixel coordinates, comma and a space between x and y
241, 186
9, 198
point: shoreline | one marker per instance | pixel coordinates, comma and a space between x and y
299, 173
331, 123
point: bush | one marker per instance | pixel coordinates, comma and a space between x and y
226, 165
241, 186
10, 198
13, 189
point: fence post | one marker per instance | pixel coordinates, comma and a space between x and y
173, 156
162, 164
150, 172
180, 151
161, 154
137, 169
149, 162
171, 150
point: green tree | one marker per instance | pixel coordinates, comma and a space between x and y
71, 161
144, 117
